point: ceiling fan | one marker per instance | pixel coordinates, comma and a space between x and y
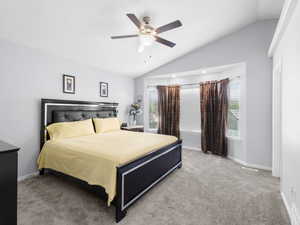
148, 34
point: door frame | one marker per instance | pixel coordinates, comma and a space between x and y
276, 119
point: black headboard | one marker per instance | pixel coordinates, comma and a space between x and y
53, 111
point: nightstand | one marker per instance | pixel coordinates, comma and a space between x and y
137, 128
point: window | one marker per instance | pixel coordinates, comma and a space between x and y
234, 108
190, 108
153, 109
189, 116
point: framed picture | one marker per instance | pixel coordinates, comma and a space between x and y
103, 89
68, 84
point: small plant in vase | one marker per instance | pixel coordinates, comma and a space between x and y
135, 110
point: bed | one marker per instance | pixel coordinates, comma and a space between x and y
125, 164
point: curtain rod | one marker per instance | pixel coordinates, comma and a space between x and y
188, 84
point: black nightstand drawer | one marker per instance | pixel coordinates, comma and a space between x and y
135, 128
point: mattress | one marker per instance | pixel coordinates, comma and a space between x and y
95, 158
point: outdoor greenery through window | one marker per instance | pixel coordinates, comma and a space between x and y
234, 108
153, 110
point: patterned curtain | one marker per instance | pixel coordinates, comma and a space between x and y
214, 111
169, 110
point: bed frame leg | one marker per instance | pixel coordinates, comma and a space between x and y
42, 172
180, 165
120, 214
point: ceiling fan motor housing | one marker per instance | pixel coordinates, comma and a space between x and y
145, 28
146, 19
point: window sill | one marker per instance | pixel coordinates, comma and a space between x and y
151, 130
190, 131
235, 138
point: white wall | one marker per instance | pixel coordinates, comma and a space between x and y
27, 75
288, 52
249, 45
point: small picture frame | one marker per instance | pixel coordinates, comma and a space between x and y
103, 89
68, 84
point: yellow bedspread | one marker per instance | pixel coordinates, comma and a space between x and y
94, 158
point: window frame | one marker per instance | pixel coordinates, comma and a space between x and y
228, 133
146, 110
149, 90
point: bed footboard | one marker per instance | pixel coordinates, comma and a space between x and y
136, 178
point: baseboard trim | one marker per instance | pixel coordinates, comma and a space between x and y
25, 177
286, 205
234, 159
237, 160
191, 148
255, 166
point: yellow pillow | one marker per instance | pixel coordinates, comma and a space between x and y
70, 129
106, 124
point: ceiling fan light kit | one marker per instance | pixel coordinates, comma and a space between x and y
146, 40
148, 34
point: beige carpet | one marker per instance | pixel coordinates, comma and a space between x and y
207, 190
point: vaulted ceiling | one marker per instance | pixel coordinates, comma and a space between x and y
81, 30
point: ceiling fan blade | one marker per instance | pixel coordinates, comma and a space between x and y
165, 42
134, 19
124, 36
168, 26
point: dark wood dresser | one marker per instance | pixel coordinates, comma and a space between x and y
8, 183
